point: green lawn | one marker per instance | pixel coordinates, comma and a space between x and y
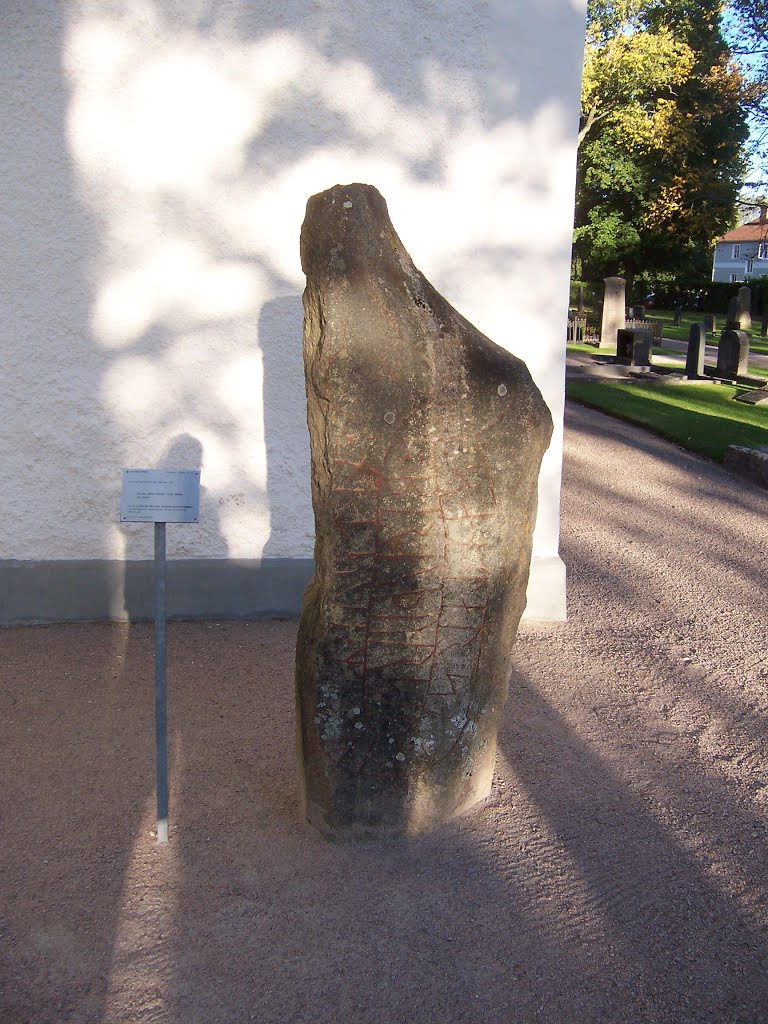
680, 332
593, 350
700, 417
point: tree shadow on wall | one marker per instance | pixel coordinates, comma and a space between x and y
245, 888
183, 452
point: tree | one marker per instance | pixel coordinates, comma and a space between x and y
747, 30
662, 136
628, 71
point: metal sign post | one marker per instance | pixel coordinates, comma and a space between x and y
160, 496
161, 705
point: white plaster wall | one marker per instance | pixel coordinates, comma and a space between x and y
158, 158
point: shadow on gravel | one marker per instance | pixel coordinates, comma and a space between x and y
271, 923
76, 739
677, 944
677, 544
563, 899
615, 876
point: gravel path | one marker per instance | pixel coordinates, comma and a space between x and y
618, 874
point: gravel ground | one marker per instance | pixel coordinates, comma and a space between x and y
618, 874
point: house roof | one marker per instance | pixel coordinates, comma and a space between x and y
754, 231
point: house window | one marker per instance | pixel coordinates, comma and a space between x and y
736, 251
748, 268
762, 251
734, 278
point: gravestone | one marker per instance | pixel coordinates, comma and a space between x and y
678, 315
744, 305
633, 347
732, 354
710, 323
638, 312
739, 317
581, 298
694, 357
759, 396
613, 318
426, 440
764, 326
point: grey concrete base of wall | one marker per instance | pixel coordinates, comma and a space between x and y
546, 590
751, 463
79, 591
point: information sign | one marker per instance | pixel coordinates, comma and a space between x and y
160, 496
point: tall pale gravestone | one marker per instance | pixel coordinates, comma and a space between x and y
426, 440
614, 311
744, 306
739, 316
694, 357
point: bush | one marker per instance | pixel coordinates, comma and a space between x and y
716, 296
660, 290
759, 296
589, 287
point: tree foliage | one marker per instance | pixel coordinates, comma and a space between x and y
627, 71
747, 30
662, 135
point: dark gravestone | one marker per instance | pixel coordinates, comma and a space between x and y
633, 347
710, 323
732, 316
638, 313
426, 441
732, 354
694, 358
678, 316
